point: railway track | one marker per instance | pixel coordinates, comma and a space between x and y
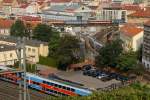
9, 91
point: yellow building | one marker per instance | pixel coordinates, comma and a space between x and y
34, 49
8, 54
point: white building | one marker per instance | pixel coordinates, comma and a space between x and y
146, 46
5, 26
112, 15
124, 1
132, 37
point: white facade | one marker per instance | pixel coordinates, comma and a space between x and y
124, 1
8, 57
4, 31
32, 9
146, 62
112, 15
133, 43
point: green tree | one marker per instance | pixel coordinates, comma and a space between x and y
109, 53
54, 44
68, 51
18, 29
43, 32
127, 61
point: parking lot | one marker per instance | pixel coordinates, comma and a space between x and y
88, 81
78, 77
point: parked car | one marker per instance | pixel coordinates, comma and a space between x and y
87, 67
113, 75
96, 73
122, 78
102, 75
88, 72
106, 79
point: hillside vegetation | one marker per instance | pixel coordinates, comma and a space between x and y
133, 92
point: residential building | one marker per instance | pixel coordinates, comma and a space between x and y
70, 12
146, 45
34, 48
124, 1
5, 25
64, 2
140, 16
8, 54
7, 6
132, 37
115, 15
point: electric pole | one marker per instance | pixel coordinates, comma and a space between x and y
24, 69
21, 53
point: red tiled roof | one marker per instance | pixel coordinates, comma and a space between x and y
24, 5
64, 1
130, 30
4, 23
115, 5
141, 13
131, 7
7, 1
30, 18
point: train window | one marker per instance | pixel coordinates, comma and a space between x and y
44, 81
46, 89
55, 85
51, 91
64, 94
72, 89
64, 87
59, 86
68, 88
37, 83
55, 92
52, 84
33, 82
48, 83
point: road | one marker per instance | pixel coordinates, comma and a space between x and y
9, 91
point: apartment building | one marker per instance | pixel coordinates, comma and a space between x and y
146, 45
5, 25
132, 37
34, 48
8, 54
115, 15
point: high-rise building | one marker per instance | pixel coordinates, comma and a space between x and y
146, 45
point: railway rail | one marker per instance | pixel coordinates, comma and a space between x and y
9, 91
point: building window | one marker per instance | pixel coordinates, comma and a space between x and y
11, 54
33, 50
29, 49
147, 65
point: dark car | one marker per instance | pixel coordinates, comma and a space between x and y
122, 78
86, 67
95, 73
106, 78
88, 72
113, 75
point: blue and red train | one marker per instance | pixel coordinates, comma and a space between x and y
42, 84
